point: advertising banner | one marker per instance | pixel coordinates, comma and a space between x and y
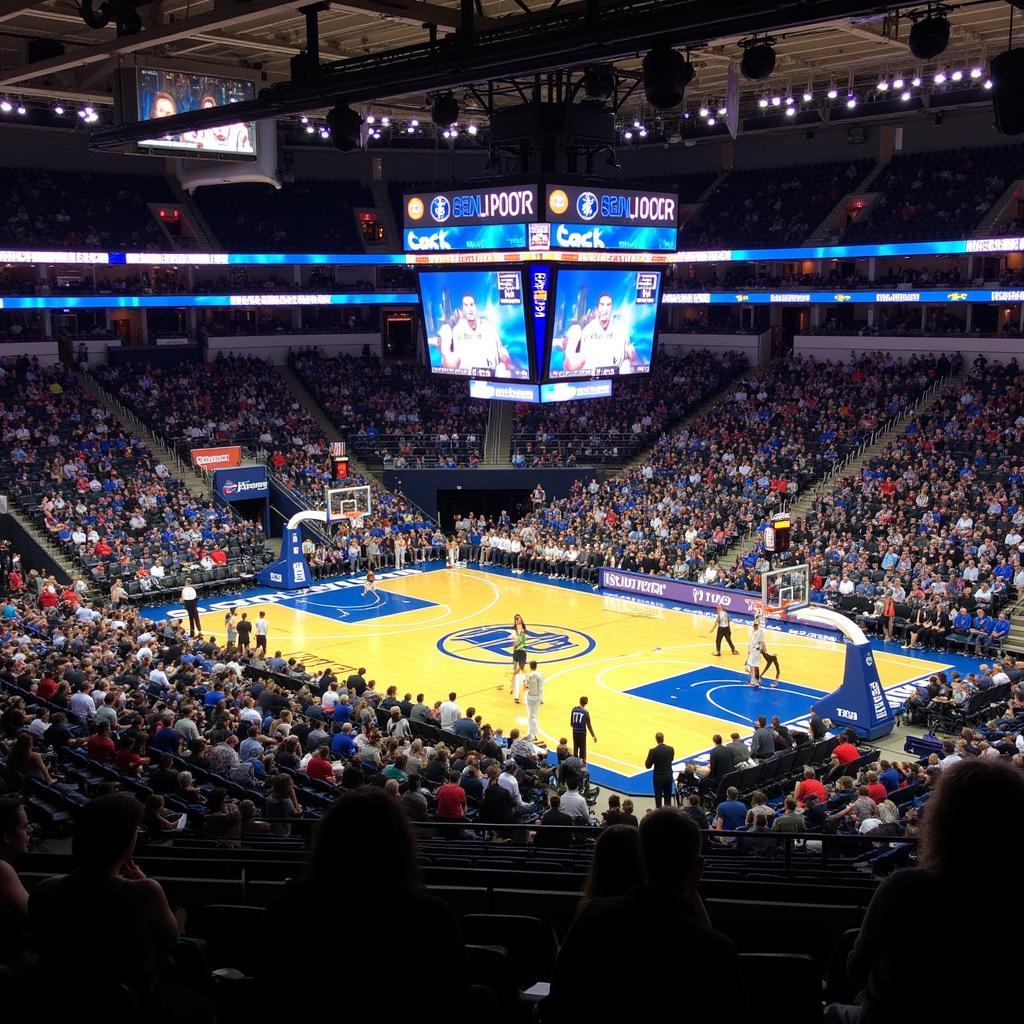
611, 205
465, 237
573, 391
741, 602
502, 391
508, 204
209, 459
611, 236
241, 484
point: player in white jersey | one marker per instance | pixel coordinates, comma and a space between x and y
755, 648
602, 344
473, 344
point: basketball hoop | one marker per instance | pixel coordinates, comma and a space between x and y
355, 519
771, 611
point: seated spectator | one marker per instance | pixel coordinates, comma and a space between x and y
15, 833
956, 870
664, 914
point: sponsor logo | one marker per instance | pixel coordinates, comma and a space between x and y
558, 201
433, 242
710, 597
276, 577
1008, 296
897, 297
415, 208
216, 458
587, 205
634, 583
844, 713
878, 702
540, 237
230, 487
440, 209
579, 239
493, 644
299, 573
801, 297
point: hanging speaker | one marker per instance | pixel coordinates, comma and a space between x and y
1007, 73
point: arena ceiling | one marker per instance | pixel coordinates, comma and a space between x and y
857, 49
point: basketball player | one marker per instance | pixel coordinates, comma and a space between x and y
371, 584
603, 343
534, 699
472, 343
723, 631
769, 660
755, 648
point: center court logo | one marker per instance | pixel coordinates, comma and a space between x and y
492, 644
440, 209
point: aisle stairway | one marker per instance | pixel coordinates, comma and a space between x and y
498, 439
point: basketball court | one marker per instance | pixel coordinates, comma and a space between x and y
647, 665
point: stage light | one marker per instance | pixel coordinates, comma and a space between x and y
667, 73
627, 135
122, 12
808, 97
643, 131
915, 82
832, 93
975, 72
445, 110
851, 102
905, 95
722, 111
703, 111
472, 129
988, 83
310, 129
930, 33
762, 102
712, 122
303, 119
21, 110
58, 110
344, 125
6, 106
410, 130
957, 76
370, 119
776, 101
599, 83
883, 85
789, 101
758, 60
939, 77
897, 83
385, 120
790, 111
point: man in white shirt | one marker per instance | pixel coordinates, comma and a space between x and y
159, 676
449, 712
534, 699
473, 343
189, 600
507, 780
603, 344
575, 806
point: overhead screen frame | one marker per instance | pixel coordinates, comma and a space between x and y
521, 271
558, 277
133, 89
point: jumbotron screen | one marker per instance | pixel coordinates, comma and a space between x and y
164, 93
603, 323
475, 323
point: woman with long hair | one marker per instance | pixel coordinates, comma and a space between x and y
960, 867
518, 648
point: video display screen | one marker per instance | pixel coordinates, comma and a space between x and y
475, 323
603, 323
164, 93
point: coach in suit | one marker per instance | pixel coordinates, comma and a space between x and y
660, 758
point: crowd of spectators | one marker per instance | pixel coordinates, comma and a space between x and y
935, 521
771, 206
80, 210
301, 216
618, 428
708, 483
943, 194
98, 492
396, 415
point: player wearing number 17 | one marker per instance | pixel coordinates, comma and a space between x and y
473, 343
